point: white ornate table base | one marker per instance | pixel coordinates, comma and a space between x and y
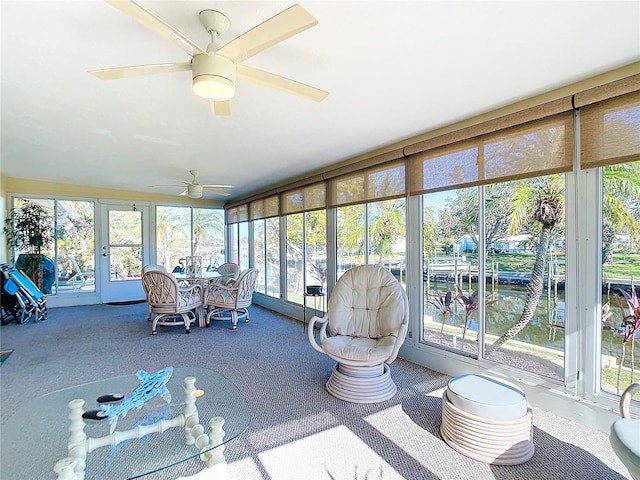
73, 466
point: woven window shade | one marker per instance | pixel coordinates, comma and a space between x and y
443, 168
264, 208
312, 197
374, 183
537, 148
610, 131
238, 214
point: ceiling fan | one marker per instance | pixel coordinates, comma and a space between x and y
216, 68
194, 189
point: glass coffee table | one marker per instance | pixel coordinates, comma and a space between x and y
49, 438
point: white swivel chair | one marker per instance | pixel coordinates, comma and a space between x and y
363, 329
172, 304
625, 434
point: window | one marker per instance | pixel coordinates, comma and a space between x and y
620, 270
186, 231
294, 258
450, 260
70, 267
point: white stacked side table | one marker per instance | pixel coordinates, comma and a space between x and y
487, 419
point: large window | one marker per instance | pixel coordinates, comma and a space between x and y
525, 262
350, 237
295, 258
621, 274
450, 269
373, 232
186, 231
70, 262
266, 255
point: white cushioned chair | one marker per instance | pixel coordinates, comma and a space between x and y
625, 434
172, 304
231, 301
363, 329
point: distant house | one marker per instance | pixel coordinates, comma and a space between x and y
513, 244
465, 244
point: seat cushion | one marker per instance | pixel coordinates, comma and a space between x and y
361, 349
487, 397
625, 440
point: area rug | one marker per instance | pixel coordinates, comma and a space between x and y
4, 354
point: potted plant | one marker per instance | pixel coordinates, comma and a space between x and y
29, 229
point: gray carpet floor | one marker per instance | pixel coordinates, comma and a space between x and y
297, 430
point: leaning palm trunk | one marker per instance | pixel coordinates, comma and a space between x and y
534, 291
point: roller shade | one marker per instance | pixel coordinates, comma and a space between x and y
610, 131
312, 197
374, 183
264, 208
238, 214
537, 148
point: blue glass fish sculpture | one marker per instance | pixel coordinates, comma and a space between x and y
151, 384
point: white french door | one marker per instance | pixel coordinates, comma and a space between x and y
124, 250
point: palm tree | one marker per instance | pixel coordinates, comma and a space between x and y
386, 227
546, 194
621, 198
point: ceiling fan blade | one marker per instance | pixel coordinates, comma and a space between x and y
287, 85
184, 193
220, 108
139, 70
284, 25
156, 25
217, 186
219, 192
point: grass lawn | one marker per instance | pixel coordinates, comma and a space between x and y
610, 377
624, 265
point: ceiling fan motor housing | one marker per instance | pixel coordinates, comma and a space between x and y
214, 76
194, 191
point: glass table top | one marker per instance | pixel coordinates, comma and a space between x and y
37, 435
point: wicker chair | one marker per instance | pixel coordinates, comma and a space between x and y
363, 329
172, 304
148, 268
231, 301
229, 271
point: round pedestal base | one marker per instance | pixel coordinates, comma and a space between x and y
497, 442
361, 384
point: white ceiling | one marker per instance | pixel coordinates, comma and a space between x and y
393, 69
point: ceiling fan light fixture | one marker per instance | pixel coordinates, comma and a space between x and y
194, 191
214, 77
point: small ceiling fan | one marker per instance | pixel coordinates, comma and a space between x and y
194, 189
215, 69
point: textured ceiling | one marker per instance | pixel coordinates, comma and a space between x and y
393, 69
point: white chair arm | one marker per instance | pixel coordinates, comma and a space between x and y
192, 290
625, 399
399, 340
213, 286
323, 331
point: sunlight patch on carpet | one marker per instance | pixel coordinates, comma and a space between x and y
412, 434
4, 354
327, 455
